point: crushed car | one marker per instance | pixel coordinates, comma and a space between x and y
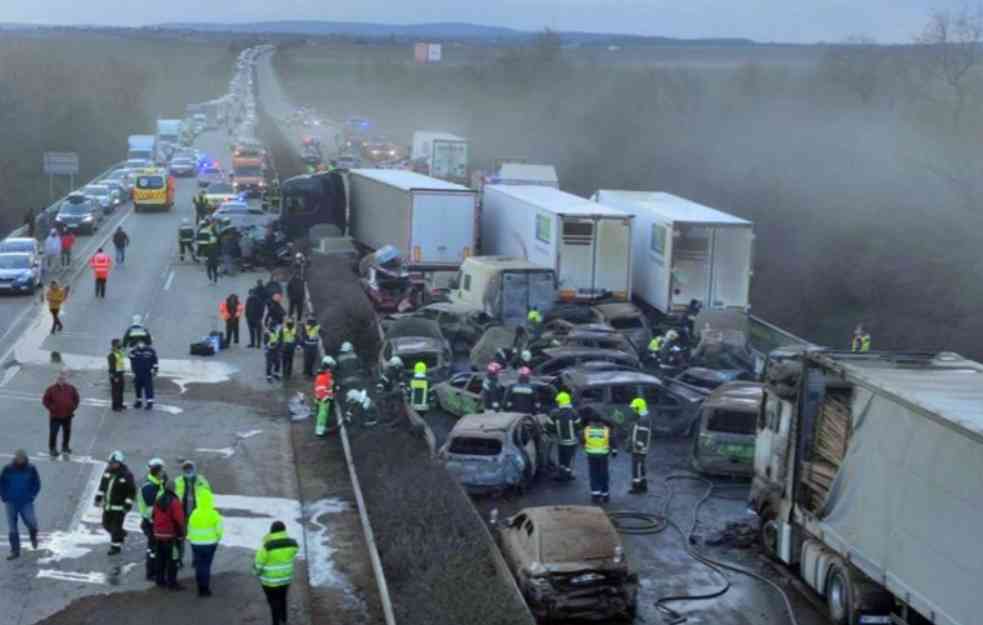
710, 379
724, 441
461, 324
569, 562
386, 281
555, 360
461, 394
494, 451
417, 340
627, 319
595, 335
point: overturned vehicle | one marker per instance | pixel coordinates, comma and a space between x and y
387, 283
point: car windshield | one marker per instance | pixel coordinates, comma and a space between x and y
626, 323
732, 422
75, 208
16, 246
249, 171
15, 261
97, 191
220, 187
430, 359
234, 209
475, 446
150, 182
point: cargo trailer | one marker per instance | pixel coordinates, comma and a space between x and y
441, 155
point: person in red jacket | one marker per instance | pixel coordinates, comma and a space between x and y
101, 263
230, 310
170, 529
62, 400
67, 242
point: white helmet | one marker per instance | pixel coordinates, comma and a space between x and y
154, 463
117, 456
328, 362
356, 396
185, 221
526, 355
672, 335
346, 348
396, 361
137, 319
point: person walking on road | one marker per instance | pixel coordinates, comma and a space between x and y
312, 344
254, 316
274, 566
67, 243
115, 496
205, 530
52, 249
288, 346
117, 368
169, 530
231, 310
563, 424
201, 207
186, 240
101, 265
598, 446
121, 241
62, 400
297, 292
211, 263
20, 484
56, 296
151, 490
143, 362
271, 346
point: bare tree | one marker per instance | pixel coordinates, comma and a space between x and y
953, 40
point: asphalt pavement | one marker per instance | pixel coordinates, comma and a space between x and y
219, 411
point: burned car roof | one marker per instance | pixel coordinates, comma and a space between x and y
740, 395
581, 377
416, 344
573, 533
593, 352
486, 422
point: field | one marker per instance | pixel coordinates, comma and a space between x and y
852, 161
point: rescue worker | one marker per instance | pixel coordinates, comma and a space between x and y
861, 340
169, 523
311, 345
207, 240
212, 255
136, 333
349, 366
564, 423
101, 265
190, 485
655, 348
205, 529
117, 367
143, 363
231, 310
186, 240
598, 446
274, 566
150, 490
641, 437
521, 396
201, 206
271, 347
359, 408
115, 497
491, 389
525, 359
534, 321
420, 388
392, 379
288, 345
324, 395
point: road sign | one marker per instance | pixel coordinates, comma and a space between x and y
61, 163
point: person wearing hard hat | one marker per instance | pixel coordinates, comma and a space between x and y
150, 490
324, 395
391, 379
860, 342
136, 332
534, 321
521, 396
562, 425
491, 388
311, 341
641, 437
420, 388
359, 408
349, 366
186, 240
655, 348
115, 496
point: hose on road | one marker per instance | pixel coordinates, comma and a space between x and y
642, 523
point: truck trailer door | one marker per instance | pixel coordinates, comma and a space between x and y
690, 265
731, 268
577, 243
443, 228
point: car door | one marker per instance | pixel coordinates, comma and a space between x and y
619, 401
452, 395
665, 409
530, 438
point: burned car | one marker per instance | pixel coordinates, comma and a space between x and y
569, 563
724, 444
627, 319
461, 324
417, 340
710, 379
386, 282
494, 451
673, 408
555, 360
461, 394
596, 335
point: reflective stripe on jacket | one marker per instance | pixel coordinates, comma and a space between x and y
597, 440
274, 563
101, 264
147, 507
205, 525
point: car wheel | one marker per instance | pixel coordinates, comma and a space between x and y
839, 595
768, 532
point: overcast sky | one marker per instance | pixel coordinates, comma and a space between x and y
764, 20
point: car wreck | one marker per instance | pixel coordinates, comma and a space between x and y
724, 444
494, 451
386, 281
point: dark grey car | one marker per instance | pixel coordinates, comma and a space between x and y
556, 360
79, 213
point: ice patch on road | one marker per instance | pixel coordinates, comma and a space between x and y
225, 452
92, 577
249, 434
71, 545
248, 519
320, 565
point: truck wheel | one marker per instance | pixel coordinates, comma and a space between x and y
768, 532
839, 595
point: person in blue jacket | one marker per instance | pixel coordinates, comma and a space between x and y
143, 362
19, 486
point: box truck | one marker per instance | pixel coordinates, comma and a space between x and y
685, 251
586, 243
504, 287
867, 481
526, 174
441, 155
142, 146
433, 223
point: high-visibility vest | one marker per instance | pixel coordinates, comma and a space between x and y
120, 357
201, 485
534, 317
419, 392
100, 264
312, 334
597, 440
288, 335
147, 507
274, 564
861, 343
205, 525
324, 386
655, 345
223, 310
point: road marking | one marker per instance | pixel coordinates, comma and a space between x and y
249, 434
170, 279
9, 374
92, 577
226, 452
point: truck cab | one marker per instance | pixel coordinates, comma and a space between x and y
505, 288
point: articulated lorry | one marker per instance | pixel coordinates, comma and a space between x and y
441, 155
504, 288
867, 479
587, 244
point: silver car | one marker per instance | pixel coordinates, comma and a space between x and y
19, 273
101, 195
495, 451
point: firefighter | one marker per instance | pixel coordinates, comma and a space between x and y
349, 365
599, 447
392, 381
117, 367
324, 395
150, 491
563, 424
491, 389
115, 497
312, 344
359, 408
420, 388
143, 362
136, 332
861, 340
271, 348
201, 207
521, 396
655, 348
288, 345
641, 436
186, 240
535, 323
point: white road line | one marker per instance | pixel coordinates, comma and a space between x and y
9, 374
170, 279
92, 577
87, 497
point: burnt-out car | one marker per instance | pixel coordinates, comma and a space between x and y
417, 340
673, 408
460, 324
461, 394
569, 562
555, 360
627, 319
710, 379
386, 281
724, 444
594, 335
494, 451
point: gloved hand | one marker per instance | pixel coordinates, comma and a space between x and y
98, 500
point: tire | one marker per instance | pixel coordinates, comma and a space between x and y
768, 532
840, 600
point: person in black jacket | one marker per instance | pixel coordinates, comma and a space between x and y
297, 292
116, 494
275, 313
255, 307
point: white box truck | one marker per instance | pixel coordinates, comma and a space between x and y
867, 479
526, 174
685, 251
142, 146
587, 244
441, 155
433, 223
504, 287
168, 131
